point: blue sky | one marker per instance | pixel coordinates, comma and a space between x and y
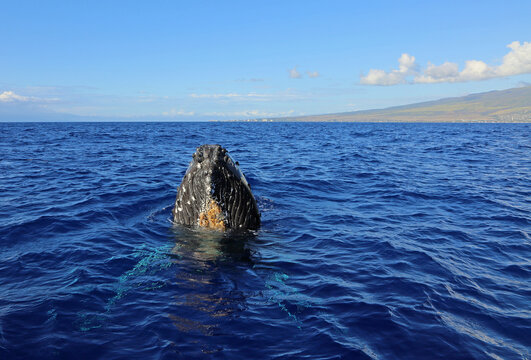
170, 60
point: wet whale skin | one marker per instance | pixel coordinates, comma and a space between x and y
215, 194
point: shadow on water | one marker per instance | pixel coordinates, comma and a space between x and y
207, 248
208, 273
221, 280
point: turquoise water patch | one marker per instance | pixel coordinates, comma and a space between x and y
151, 262
285, 296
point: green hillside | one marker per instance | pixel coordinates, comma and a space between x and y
513, 105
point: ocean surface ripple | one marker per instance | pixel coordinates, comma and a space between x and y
379, 241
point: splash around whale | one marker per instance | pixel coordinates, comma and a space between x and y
214, 193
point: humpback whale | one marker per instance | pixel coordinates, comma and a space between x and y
214, 193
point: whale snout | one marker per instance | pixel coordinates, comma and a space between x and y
215, 194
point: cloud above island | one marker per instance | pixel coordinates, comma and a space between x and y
517, 61
407, 67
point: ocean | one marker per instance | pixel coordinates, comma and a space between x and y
378, 241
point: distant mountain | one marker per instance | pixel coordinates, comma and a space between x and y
512, 105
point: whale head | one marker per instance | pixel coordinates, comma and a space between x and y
214, 193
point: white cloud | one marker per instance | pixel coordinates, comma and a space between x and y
230, 96
475, 70
438, 73
250, 80
180, 112
294, 74
251, 114
380, 77
406, 67
10, 96
516, 61
406, 64
248, 97
449, 72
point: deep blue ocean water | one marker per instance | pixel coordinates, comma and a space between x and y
378, 241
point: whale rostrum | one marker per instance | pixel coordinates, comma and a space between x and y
214, 193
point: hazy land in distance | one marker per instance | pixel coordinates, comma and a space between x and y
512, 105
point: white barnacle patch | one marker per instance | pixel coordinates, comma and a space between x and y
188, 202
179, 209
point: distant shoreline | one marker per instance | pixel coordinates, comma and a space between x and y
272, 121
503, 106
512, 106
385, 121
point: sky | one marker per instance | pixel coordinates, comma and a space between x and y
206, 60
